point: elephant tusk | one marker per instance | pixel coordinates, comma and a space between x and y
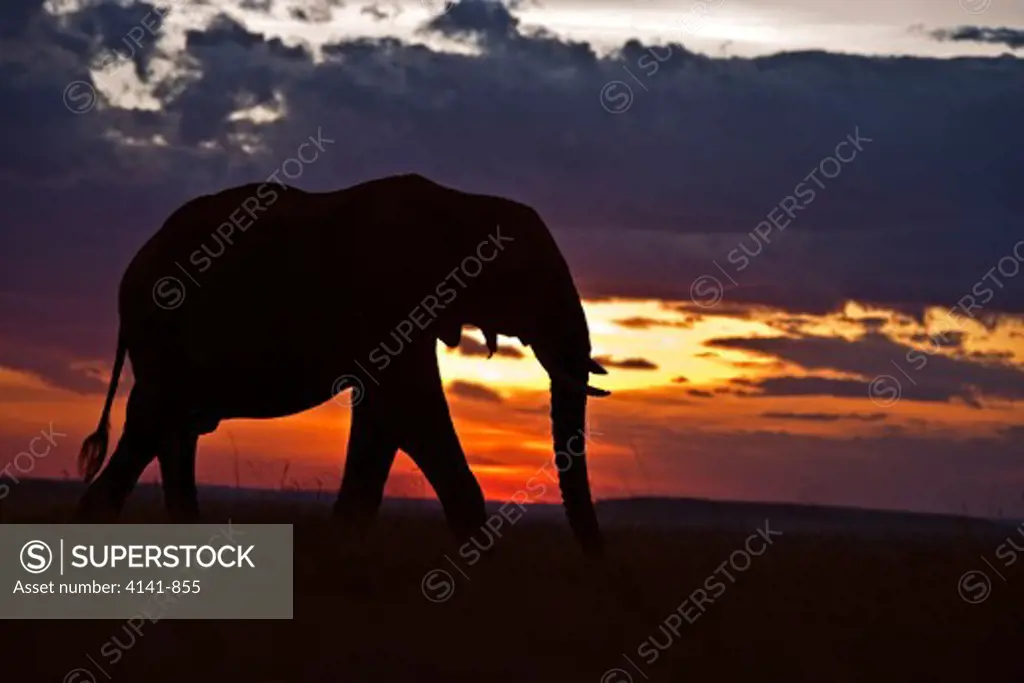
596, 368
557, 374
587, 389
492, 343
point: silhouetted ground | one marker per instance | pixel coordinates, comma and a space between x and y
814, 607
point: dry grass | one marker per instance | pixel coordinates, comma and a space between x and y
811, 608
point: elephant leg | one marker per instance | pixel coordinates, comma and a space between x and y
371, 452
428, 436
177, 457
137, 447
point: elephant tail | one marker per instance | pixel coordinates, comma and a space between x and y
94, 448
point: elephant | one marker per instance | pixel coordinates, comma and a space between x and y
265, 300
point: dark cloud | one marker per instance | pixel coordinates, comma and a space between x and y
19, 15
123, 31
991, 356
870, 324
314, 11
946, 340
474, 392
489, 20
642, 202
724, 308
800, 386
473, 348
1012, 38
701, 393
257, 5
379, 13
642, 323
224, 31
680, 380
825, 417
626, 363
315, 14
921, 375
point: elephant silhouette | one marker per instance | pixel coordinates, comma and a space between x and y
254, 302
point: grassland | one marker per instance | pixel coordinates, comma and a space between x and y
815, 607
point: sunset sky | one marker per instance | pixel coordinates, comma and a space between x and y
855, 338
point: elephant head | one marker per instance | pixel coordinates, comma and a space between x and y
525, 290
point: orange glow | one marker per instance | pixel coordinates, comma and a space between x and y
679, 385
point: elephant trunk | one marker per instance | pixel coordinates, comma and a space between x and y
568, 425
549, 316
563, 348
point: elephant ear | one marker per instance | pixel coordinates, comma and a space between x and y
455, 235
432, 240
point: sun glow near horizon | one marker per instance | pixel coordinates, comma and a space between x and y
674, 369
